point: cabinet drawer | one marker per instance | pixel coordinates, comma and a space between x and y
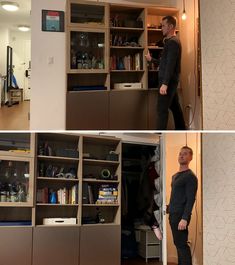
152, 251
148, 237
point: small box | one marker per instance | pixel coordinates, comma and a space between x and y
123, 86
59, 221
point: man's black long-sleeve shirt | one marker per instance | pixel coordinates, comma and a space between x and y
170, 61
183, 194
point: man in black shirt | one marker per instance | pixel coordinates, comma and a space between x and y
183, 195
168, 76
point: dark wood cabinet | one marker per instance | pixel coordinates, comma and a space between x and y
87, 110
56, 245
152, 109
100, 245
113, 110
128, 110
15, 245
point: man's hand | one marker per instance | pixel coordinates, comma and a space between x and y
157, 233
163, 89
182, 224
148, 57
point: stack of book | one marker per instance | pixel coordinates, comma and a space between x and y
107, 195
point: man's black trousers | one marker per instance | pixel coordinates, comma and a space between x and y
166, 102
180, 240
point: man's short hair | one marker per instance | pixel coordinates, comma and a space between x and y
188, 148
170, 20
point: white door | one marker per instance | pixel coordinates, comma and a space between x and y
27, 67
164, 217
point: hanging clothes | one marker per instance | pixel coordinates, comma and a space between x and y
147, 195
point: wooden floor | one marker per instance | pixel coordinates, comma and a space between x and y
15, 117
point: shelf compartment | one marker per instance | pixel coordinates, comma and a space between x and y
87, 15
96, 150
52, 146
88, 81
127, 77
48, 211
16, 181
95, 214
127, 17
87, 50
15, 144
16, 213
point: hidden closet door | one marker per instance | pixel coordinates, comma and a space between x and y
139, 243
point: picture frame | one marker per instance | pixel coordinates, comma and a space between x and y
52, 20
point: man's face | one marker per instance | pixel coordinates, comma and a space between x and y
184, 157
166, 28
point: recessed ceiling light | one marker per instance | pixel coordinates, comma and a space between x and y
23, 28
9, 6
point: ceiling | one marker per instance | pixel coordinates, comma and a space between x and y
21, 17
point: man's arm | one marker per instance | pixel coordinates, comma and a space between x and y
172, 56
191, 191
149, 58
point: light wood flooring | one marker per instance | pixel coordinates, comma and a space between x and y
15, 117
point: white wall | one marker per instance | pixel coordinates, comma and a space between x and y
48, 81
218, 60
219, 198
4, 41
173, 143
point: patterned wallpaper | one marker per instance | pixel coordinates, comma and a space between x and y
218, 63
219, 199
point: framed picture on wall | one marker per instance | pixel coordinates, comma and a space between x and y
52, 21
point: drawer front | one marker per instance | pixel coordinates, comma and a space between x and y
152, 251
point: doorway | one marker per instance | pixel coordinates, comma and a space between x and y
139, 245
172, 144
15, 35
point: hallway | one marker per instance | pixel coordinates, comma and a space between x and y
15, 117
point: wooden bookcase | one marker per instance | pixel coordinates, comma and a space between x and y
53, 162
106, 46
62, 165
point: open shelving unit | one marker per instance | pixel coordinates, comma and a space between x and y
44, 164
106, 47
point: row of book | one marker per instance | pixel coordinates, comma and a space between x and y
128, 62
61, 196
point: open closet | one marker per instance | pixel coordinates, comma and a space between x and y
141, 182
